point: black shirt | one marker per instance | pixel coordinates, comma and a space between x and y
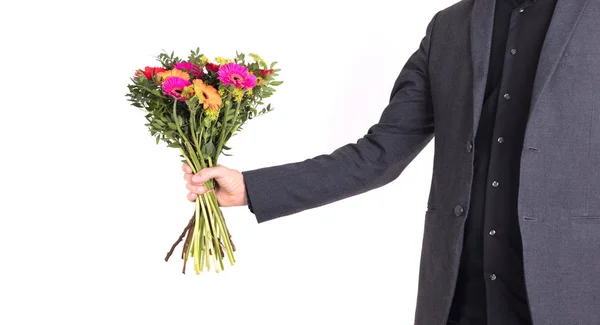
491, 286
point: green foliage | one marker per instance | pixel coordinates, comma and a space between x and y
168, 61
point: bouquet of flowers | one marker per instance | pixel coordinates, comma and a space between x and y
196, 105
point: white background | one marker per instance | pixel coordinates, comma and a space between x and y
89, 204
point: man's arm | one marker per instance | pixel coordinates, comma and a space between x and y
404, 129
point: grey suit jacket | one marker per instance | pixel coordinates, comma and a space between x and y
440, 92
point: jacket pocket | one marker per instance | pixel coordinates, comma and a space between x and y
582, 59
431, 210
585, 220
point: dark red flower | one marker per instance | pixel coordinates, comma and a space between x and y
149, 72
212, 67
265, 73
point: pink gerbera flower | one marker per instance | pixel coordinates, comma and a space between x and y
237, 75
191, 68
173, 86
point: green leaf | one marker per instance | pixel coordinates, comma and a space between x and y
209, 149
275, 83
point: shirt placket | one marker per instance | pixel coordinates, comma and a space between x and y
498, 180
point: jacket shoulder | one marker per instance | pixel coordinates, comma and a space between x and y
460, 9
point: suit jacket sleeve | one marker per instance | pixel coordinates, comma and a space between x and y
404, 129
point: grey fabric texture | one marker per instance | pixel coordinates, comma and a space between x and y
438, 95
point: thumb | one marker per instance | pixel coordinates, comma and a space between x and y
206, 174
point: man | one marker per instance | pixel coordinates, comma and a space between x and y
510, 89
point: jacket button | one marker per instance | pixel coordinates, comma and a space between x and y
469, 147
459, 210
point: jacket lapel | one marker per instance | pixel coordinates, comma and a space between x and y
482, 23
566, 15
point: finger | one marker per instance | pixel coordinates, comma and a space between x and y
188, 177
198, 189
205, 174
192, 196
187, 169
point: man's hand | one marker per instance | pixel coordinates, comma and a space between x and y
230, 187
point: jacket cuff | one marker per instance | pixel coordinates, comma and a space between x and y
260, 195
248, 199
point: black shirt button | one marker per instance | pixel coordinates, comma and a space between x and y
495, 183
459, 210
507, 96
493, 277
500, 139
492, 232
469, 147
513, 51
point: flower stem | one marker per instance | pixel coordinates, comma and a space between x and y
202, 244
210, 233
197, 238
224, 128
190, 163
186, 142
223, 229
230, 248
189, 225
214, 234
231, 130
187, 247
193, 130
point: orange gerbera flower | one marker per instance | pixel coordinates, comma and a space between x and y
173, 73
210, 96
